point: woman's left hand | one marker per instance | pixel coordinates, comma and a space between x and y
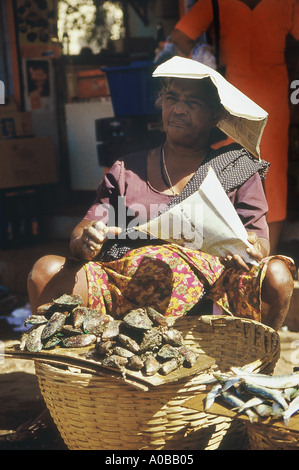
257, 251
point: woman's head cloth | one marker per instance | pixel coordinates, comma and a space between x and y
242, 120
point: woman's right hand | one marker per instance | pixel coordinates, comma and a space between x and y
88, 238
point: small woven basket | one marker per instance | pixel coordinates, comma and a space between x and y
101, 412
265, 437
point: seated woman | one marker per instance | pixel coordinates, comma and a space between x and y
114, 270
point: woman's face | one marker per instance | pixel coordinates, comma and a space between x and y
187, 118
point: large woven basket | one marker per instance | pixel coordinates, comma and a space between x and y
265, 437
95, 412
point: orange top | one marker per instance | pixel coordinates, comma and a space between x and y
252, 44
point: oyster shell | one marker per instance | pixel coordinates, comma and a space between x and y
111, 329
171, 365
152, 340
167, 352
129, 343
33, 340
95, 322
36, 320
172, 336
54, 325
69, 301
159, 319
115, 361
135, 362
138, 319
151, 365
79, 341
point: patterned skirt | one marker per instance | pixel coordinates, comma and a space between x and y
173, 279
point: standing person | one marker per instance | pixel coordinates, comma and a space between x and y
252, 45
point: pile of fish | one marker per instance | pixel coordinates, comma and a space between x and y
257, 395
143, 340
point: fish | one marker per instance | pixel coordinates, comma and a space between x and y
263, 410
271, 394
255, 401
212, 395
231, 382
292, 409
270, 381
236, 402
277, 411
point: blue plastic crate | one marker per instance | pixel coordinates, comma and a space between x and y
132, 88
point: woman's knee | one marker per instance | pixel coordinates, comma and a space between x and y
45, 269
278, 283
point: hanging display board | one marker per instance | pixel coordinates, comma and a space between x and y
37, 28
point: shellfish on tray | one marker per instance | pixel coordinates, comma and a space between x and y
143, 340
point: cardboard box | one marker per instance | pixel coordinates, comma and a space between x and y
92, 84
27, 162
16, 124
10, 106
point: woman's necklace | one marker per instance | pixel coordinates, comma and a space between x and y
164, 172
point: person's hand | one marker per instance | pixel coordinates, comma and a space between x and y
256, 251
88, 237
94, 236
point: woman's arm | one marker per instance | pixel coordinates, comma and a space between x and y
183, 43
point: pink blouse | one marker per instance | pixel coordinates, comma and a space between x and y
125, 194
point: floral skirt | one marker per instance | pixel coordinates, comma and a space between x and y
173, 279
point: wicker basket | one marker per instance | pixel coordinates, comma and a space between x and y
104, 413
265, 437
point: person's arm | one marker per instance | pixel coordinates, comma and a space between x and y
183, 43
192, 25
89, 235
251, 205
